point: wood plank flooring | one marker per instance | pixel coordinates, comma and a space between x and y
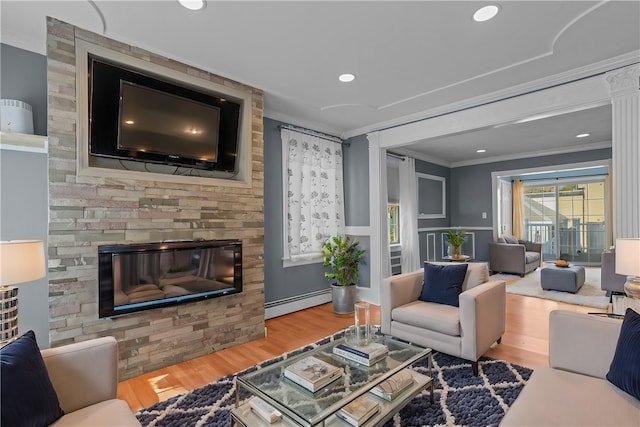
525, 342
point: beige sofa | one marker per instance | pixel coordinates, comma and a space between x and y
573, 391
466, 331
85, 378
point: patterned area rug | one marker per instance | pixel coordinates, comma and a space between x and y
461, 399
590, 294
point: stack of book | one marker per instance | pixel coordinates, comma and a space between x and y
312, 373
394, 386
369, 354
359, 411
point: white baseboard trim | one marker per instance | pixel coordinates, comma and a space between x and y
297, 303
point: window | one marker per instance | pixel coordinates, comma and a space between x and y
568, 218
393, 214
313, 205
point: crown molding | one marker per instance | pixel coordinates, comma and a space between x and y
297, 121
574, 149
513, 91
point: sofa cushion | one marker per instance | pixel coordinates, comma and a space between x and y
28, 397
113, 412
431, 316
530, 257
510, 239
477, 274
443, 283
553, 397
624, 371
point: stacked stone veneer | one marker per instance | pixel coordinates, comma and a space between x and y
87, 211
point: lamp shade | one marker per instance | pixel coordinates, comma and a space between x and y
628, 257
21, 261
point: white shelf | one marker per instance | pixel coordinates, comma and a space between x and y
23, 142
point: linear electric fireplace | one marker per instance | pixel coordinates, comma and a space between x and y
143, 276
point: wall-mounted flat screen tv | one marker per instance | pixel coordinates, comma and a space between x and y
140, 117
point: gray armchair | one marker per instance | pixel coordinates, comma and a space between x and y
466, 331
609, 280
509, 255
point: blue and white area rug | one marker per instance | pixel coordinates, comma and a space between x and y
461, 399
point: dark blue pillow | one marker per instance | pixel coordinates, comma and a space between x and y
443, 283
28, 397
624, 371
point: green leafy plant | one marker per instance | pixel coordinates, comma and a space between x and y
342, 254
456, 239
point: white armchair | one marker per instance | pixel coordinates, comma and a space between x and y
466, 331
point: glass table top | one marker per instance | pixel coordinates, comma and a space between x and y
309, 408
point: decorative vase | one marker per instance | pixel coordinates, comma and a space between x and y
362, 322
343, 298
454, 251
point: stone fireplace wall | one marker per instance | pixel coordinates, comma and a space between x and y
88, 211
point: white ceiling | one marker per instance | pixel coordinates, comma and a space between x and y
412, 59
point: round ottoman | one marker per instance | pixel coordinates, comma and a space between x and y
567, 279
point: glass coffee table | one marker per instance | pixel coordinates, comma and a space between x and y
300, 407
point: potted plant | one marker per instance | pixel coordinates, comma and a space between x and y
343, 256
456, 239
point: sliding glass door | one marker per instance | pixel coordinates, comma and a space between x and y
568, 218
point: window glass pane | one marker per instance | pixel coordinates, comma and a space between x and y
393, 213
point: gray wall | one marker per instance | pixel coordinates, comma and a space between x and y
24, 191
24, 77
471, 189
24, 207
283, 283
356, 181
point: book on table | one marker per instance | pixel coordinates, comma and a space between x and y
312, 373
368, 354
359, 411
394, 386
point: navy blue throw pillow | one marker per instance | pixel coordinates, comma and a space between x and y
443, 283
624, 371
28, 397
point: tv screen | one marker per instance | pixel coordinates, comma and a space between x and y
141, 117
152, 121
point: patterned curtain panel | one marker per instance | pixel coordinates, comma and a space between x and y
314, 200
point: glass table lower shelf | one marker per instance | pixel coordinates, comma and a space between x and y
300, 407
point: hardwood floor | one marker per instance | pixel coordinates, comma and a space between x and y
525, 342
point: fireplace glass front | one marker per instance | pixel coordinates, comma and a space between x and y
143, 276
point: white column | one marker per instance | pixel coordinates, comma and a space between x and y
379, 253
625, 98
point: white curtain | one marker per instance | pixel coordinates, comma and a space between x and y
313, 196
409, 216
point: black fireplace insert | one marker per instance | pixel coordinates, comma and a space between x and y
139, 277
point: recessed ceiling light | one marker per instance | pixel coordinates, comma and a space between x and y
346, 78
193, 4
485, 13
481, 150
582, 135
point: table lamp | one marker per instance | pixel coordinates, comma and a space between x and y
628, 264
20, 261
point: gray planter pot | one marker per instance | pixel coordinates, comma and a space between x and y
343, 298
